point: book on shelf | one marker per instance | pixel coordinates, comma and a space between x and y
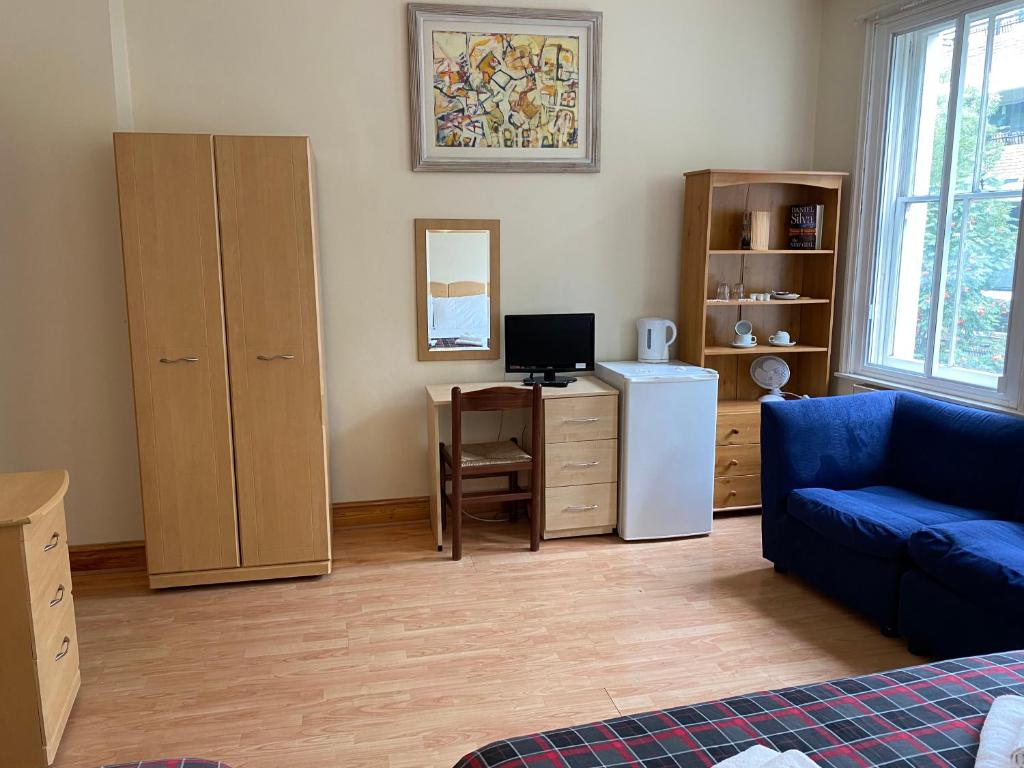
805, 225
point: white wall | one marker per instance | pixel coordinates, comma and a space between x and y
455, 256
688, 84
65, 379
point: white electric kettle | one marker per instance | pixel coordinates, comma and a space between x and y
652, 344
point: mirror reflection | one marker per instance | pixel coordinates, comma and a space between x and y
458, 277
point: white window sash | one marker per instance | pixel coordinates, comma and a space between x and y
866, 237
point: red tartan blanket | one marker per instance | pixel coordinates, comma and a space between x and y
929, 716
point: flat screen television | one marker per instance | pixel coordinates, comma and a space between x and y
548, 345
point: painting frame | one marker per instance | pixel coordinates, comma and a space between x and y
429, 155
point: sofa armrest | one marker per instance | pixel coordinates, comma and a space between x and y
828, 442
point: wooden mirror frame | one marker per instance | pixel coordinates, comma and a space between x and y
492, 226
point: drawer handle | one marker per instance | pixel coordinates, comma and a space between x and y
580, 464
734, 463
58, 597
580, 508
581, 420
268, 358
54, 541
65, 646
172, 360
732, 493
734, 431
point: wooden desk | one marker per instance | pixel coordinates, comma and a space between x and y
599, 432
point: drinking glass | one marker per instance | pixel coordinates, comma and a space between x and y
723, 291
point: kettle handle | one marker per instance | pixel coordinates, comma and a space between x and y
672, 326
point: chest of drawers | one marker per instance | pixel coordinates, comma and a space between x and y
39, 672
581, 450
738, 455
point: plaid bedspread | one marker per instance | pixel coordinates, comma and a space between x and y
929, 716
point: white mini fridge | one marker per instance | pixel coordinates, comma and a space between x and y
667, 447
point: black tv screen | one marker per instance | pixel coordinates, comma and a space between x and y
535, 343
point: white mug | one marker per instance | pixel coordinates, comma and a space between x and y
745, 340
779, 337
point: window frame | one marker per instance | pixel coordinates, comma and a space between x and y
870, 191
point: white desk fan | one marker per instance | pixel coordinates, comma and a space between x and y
771, 373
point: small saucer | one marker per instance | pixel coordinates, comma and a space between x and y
777, 344
743, 346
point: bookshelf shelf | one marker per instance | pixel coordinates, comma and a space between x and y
752, 252
765, 304
760, 349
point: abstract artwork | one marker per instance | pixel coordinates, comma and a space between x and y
505, 90
499, 89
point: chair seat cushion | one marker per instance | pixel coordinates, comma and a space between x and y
982, 560
484, 454
878, 520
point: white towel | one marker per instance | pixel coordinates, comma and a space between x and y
755, 757
1002, 735
791, 759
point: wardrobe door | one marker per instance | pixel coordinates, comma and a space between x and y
176, 325
270, 292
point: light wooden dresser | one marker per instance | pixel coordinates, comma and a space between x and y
581, 461
738, 455
39, 673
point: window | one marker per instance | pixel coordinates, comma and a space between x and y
943, 174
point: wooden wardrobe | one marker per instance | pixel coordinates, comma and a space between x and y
220, 275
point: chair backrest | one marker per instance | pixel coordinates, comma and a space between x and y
497, 399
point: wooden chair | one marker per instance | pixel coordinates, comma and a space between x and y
505, 458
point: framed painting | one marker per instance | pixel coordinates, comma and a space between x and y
504, 89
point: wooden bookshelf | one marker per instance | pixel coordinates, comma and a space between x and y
713, 208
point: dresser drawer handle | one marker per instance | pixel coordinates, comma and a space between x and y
734, 463
734, 431
732, 493
58, 598
173, 360
65, 646
581, 420
580, 464
269, 358
54, 541
580, 508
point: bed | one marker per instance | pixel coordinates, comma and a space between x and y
459, 315
928, 716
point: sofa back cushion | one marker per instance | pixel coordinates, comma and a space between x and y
958, 455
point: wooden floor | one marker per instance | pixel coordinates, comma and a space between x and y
404, 658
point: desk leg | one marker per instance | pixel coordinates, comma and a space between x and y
434, 472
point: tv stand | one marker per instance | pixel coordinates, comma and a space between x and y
549, 380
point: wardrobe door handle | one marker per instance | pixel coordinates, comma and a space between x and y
268, 358
579, 464
54, 541
172, 360
580, 508
65, 646
58, 598
581, 420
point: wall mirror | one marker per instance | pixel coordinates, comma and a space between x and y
457, 289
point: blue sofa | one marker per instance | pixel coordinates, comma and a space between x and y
907, 509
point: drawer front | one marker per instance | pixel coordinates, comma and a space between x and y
581, 506
733, 460
569, 419
583, 463
738, 428
741, 491
57, 668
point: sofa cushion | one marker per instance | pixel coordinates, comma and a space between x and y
982, 560
937, 449
878, 520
